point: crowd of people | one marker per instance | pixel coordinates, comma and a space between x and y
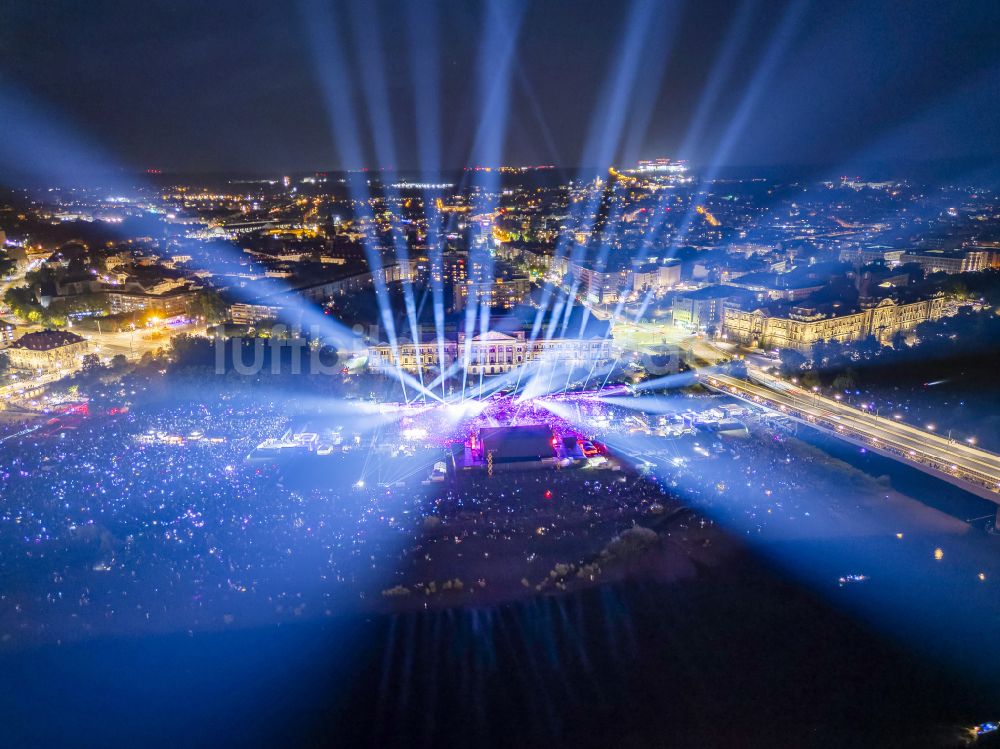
154, 516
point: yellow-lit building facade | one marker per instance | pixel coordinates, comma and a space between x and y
47, 351
489, 354
801, 328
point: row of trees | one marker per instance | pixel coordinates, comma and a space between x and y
947, 376
24, 304
834, 364
845, 365
7, 264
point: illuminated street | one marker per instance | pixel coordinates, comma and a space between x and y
973, 466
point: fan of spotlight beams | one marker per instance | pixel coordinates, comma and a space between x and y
363, 110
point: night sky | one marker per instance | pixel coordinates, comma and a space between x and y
241, 85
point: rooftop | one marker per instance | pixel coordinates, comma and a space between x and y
46, 340
718, 291
939, 253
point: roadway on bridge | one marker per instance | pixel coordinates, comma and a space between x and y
960, 459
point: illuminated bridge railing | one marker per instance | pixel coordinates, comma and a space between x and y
982, 479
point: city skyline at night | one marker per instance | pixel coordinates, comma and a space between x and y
504, 373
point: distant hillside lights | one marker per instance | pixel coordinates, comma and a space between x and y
661, 166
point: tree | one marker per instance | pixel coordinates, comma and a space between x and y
208, 304
21, 300
7, 264
957, 288
43, 276
190, 350
821, 353
25, 306
91, 363
844, 381
811, 379
868, 347
327, 355
828, 353
792, 361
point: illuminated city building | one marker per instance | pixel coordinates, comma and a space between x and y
6, 333
326, 290
942, 261
490, 353
250, 314
659, 278
704, 308
47, 350
497, 353
399, 270
992, 250
600, 285
802, 327
499, 294
859, 256
175, 301
424, 355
